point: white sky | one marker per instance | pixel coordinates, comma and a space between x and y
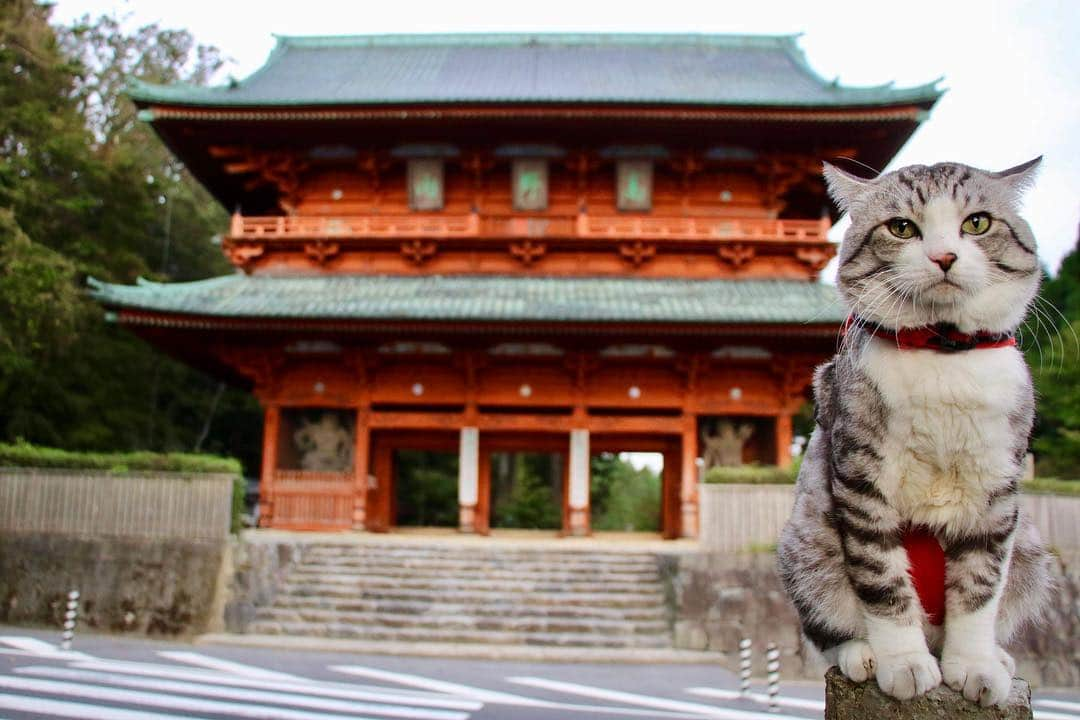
1012, 68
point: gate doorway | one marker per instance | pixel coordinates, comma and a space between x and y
527, 490
425, 488
625, 491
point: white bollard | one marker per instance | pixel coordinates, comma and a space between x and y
744, 666
69, 620
772, 666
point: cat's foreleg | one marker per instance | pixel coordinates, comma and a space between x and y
877, 568
975, 569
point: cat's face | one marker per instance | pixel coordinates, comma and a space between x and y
937, 244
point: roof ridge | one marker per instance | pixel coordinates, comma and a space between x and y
502, 39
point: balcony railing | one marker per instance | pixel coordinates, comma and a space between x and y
474, 225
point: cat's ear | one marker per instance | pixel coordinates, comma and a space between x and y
1020, 178
843, 186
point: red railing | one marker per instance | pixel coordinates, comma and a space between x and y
472, 225
312, 500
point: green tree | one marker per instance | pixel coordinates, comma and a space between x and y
622, 497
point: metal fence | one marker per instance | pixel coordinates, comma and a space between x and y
87, 502
738, 518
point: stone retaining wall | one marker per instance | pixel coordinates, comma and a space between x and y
720, 598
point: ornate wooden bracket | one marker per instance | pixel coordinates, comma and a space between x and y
278, 168
637, 252
736, 254
417, 251
373, 163
528, 251
321, 252
686, 165
243, 254
814, 257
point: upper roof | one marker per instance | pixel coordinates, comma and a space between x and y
725, 70
483, 299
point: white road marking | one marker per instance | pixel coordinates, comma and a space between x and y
233, 668
232, 693
648, 701
308, 687
134, 697
793, 702
1057, 704
82, 711
466, 691
495, 697
1043, 715
34, 646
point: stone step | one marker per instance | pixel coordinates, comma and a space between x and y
351, 553
445, 584
490, 623
505, 607
414, 634
549, 574
465, 564
641, 599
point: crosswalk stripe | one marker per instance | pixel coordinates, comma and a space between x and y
793, 702
648, 701
34, 646
307, 687
1044, 715
495, 697
135, 697
1057, 704
467, 691
232, 693
228, 666
82, 711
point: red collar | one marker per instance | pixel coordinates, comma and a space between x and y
942, 337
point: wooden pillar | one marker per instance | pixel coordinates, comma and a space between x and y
578, 495
671, 489
361, 447
783, 440
271, 425
378, 511
468, 479
688, 491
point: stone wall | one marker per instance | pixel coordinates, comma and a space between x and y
146, 551
138, 585
260, 561
719, 598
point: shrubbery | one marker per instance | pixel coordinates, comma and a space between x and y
23, 454
753, 475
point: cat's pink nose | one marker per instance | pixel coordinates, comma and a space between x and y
944, 261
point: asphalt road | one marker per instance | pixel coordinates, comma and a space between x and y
113, 678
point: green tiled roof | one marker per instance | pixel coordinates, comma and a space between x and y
483, 298
732, 70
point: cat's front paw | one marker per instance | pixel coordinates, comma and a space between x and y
905, 675
1006, 661
985, 680
856, 660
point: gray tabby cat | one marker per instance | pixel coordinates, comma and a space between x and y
909, 438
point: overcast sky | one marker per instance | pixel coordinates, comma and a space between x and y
1012, 69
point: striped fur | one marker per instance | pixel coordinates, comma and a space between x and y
915, 437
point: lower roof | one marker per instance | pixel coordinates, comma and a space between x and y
485, 298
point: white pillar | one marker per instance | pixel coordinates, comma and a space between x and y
468, 478
579, 482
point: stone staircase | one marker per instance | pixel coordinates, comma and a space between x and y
479, 594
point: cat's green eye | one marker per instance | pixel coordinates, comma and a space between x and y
902, 228
976, 224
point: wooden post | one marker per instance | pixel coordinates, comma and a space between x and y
271, 424
360, 469
468, 479
578, 496
688, 491
783, 440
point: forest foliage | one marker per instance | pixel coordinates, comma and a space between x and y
88, 190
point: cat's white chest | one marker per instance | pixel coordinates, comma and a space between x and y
948, 439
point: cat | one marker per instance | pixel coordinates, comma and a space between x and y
921, 428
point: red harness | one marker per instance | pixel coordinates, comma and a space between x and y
926, 568
942, 337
